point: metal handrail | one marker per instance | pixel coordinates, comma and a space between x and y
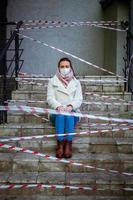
13, 59
15, 37
10, 40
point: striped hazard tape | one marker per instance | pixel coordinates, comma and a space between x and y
34, 110
54, 187
71, 162
77, 134
69, 54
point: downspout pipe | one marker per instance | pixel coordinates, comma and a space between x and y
130, 80
131, 26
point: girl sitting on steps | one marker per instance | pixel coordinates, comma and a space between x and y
64, 94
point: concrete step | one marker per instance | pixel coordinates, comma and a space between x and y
63, 194
22, 162
103, 88
92, 105
111, 150
86, 86
119, 95
43, 79
63, 178
41, 95
68, 178
29, 95
81, 145
23, 117
27, 129
66, 197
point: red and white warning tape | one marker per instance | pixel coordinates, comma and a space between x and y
52, 24
66, 187
61, 23
69, 54
46, 156
30, 80
40, 185
26, 76
23, 101
77, 134
24, 81
92, 94
109, 28
111, 81
34, 110
100, 25
58, 22
89, 123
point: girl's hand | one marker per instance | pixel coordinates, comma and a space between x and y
60, 108
69, 108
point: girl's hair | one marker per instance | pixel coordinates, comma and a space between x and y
66, 59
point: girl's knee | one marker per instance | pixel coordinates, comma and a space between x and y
69, 118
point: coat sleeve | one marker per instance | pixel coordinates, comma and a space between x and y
78, 98
53, 103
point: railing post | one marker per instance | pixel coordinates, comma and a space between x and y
16, 56
5, 93
130, 80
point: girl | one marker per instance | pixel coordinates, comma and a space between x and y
64, 93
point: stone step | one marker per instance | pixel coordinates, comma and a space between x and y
23, 117
111, 150
57, 194
86, 86
28, 129
66, 197
66, 177
82, 144
22, 162
29, 95
86, 106
119, 95
41, 95
94, 77
43, 79
103, 88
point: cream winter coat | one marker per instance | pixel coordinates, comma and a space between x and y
59, 95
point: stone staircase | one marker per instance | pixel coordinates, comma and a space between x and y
108, 150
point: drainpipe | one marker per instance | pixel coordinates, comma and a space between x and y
130, 81
131, 27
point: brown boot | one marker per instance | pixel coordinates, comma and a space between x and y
60, 149
68, 149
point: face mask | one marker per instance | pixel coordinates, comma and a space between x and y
64, 71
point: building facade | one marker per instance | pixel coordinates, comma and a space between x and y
99, 46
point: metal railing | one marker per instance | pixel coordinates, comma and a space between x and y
6, 76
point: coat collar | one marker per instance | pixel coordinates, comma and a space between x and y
70, 88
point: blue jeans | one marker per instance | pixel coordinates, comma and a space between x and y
64, 124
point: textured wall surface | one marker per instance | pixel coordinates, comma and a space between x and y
84, 42
93, 44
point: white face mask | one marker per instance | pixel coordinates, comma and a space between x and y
64, 71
